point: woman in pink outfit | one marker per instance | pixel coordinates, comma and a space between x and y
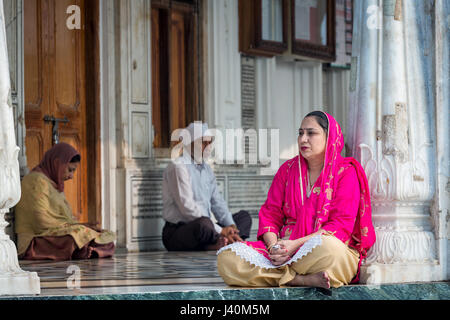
315, 227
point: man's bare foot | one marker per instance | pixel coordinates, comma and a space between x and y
221, 242
319, 279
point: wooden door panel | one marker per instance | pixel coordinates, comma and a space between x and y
192, 69
177, 64
34, 141
156, 73
36, 100
75, 194
160, 77
76, 189
68, 97
55, 85
72, 196
69, 60
33, 56
175, 74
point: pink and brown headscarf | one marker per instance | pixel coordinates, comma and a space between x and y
54, 163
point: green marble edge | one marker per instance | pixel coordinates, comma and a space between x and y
409, 291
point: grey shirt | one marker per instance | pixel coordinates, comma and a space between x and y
190, 192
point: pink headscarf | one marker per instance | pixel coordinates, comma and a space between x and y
55, 162
363, 235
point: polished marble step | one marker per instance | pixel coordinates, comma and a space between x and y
405, 291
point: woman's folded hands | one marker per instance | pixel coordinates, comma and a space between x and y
283, 250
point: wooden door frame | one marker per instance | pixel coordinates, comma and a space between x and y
192, 73
91, 22
93, 115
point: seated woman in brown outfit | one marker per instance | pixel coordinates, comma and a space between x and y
45, 226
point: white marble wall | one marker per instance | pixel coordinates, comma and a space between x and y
286, 91
223, 86
242, 188
110, 108
126, 125
336, 83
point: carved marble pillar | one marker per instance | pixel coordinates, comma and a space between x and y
392, 133
13, 280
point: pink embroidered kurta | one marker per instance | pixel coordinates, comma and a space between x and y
279, 212
339, 202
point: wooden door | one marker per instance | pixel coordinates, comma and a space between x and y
55, 85
175, 97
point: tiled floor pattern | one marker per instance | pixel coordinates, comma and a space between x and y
131, 269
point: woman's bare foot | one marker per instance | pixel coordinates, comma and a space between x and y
221, 242
319, 279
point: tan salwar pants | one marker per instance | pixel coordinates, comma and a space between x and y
335, 258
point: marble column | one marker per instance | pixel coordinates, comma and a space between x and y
13, 280
441, 203
392, 132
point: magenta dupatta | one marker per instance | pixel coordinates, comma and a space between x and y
339, 202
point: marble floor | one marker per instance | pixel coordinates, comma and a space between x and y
163, 275
128, 273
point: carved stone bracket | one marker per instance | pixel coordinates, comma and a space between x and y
402, 246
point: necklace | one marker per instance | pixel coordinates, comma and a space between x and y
309, 187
